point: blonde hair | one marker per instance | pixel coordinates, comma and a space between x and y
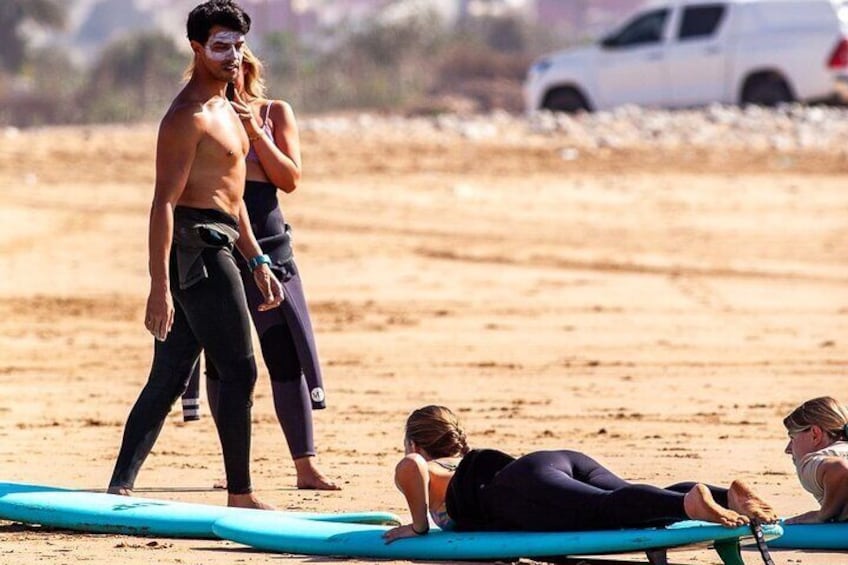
825, 412
252, 67
436, 430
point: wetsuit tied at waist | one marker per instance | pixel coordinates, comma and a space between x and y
197, 229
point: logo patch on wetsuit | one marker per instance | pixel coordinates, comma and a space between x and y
317, 394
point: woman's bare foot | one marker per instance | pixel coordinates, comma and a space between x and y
247, 501
742, 499
122, 491
310, 478
316, 482
699, 504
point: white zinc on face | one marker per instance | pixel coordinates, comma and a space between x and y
225, 46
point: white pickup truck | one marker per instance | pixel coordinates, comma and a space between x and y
681, 53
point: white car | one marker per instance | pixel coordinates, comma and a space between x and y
681, 53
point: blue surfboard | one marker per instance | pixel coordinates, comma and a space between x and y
813, 536
109, 513
288, 535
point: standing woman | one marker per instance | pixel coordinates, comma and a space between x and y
285, 333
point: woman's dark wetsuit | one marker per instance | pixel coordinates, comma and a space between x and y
556, 491
210, 313
285, 333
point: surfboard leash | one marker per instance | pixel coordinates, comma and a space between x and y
760, 539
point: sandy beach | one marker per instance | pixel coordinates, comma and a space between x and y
659, 309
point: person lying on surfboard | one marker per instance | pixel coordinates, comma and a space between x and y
818, 444
485, 489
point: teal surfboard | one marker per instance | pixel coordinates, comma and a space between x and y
109, 513
813, 536
288, 535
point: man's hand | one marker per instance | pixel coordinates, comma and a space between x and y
269, 286
159, 317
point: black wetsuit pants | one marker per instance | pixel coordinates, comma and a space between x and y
283, 350
568, 490
211, 315
288, 387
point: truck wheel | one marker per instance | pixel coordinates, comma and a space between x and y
766, 90
565, 100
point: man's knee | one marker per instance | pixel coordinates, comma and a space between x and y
168, 380
241, 370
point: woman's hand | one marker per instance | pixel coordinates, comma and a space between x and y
406, 531
245, 114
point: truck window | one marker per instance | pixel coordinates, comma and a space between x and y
700, 21
645, 29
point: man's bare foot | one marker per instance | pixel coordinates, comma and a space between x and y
310, 478
742, 499
247, 501
122, 491
699, 504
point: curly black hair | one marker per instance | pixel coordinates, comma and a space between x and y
224, 13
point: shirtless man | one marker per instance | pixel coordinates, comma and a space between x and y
196, 298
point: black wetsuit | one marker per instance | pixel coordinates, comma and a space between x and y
211, 313
285, 333
556, 491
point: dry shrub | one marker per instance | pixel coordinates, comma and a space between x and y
492, 94
442, 104
470, 61
492, 79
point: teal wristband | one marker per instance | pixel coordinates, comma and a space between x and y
258, 260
